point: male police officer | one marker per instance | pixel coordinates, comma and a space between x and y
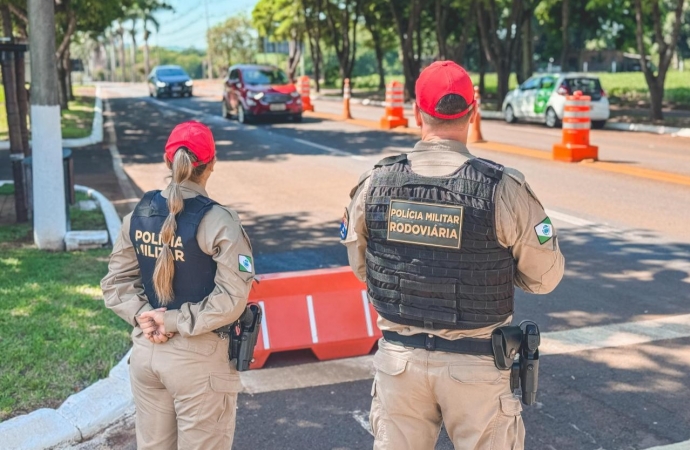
442, 238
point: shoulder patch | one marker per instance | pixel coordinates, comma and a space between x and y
515, 175
365, 176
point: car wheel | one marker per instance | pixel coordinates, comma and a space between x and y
551, 118
297, 118
224, 110
509, 115
241, 115
598, 124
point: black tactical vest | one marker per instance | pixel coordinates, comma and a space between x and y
419, 275
195, 271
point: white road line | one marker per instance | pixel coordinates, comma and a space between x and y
264, 326
312, 319
330, 150
553, 343
679, 446
367, 313
615, 335
362, 418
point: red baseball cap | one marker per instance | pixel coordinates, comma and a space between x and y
194, 136
440, 79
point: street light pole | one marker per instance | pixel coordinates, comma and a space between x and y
50, 218
209, 51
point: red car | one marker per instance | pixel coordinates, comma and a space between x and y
253, 91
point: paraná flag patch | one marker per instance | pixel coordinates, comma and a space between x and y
544, 231
246, 264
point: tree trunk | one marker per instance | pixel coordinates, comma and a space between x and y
656, 95
410, 64
13, 121
68, 75
482, 66
133, 56
565, 14
526, 47
147, 57
503, 73
22, 100
123, 64
62, 85
441, 32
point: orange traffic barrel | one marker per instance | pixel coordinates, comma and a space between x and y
576, 125
475, 136
347, 93
305, 93
393, 117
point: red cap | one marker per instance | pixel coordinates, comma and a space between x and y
440, 79
194, 136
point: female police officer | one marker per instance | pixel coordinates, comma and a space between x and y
180, 270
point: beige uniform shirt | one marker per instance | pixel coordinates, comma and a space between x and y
221, 236
518, 211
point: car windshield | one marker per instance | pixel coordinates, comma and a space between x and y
588, 86
171, 73
264, 76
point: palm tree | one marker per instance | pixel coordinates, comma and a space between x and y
133, 52
121, 34
148, 9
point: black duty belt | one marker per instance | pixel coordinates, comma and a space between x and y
467, 346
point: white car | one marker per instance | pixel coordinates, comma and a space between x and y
542, 98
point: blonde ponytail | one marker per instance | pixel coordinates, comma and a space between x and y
182, 170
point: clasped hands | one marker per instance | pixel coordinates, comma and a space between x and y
151, 323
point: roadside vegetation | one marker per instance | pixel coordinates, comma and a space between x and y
57, 336
76, 121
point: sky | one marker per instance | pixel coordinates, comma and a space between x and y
186, 26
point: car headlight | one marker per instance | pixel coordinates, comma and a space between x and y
294, 94
188, 83
161, 84
257, 95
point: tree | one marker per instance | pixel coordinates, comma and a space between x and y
282, 20
233, 41
499, 23
454, 19
655, 82
147, 9
342, 17
378, 20
407, 15
313, 11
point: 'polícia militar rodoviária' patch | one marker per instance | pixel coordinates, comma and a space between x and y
425, 224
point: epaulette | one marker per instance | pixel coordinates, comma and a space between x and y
391, 160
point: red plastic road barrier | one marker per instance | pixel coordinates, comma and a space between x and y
326, 311
305, 92
576, 124
394, 117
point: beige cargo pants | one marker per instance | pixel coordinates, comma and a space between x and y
415, 390
185, 392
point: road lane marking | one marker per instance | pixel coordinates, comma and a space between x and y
362, 418
679, 446
553, 343
331, 150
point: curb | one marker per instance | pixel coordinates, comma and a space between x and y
112, 219
498, 115
96, 136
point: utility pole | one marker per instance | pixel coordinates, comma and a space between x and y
50, 217
209, 51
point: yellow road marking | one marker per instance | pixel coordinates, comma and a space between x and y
622, 168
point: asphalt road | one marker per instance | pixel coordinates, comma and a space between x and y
626, 242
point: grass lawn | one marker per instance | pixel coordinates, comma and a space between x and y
624, 85
76, 121
57, 336
85, 220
